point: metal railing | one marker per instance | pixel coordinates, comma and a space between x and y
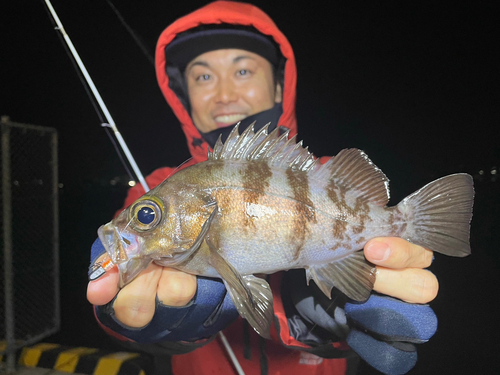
29, 224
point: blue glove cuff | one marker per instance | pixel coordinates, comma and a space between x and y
389, 326
386, 358
210, 311
393, 320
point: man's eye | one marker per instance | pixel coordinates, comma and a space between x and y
243, 72
203, 77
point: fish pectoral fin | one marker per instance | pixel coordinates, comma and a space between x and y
251, 295
259, 312
129, 270
353, 275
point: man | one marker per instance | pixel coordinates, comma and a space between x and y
226, 63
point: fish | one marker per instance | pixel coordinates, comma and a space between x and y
263, 203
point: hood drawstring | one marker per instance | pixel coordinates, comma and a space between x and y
263, 356
247, 350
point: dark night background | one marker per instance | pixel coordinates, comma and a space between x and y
414, 84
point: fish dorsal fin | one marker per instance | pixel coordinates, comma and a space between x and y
277, 150
352, 170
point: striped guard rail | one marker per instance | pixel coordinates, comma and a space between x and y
81, 360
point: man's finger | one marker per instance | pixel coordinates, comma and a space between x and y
412, 285
394, 252
135, 304
176, 288
104, 289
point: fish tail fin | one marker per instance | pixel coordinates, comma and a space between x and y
439, 214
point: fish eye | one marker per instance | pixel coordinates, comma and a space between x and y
145, 215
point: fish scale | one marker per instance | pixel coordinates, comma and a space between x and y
262, 203
241, 228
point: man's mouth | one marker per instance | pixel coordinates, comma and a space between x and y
225, 120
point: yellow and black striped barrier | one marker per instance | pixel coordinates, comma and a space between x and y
82, 360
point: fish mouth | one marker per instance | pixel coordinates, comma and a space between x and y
124, 251
113, 243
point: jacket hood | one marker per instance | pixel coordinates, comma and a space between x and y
233, 13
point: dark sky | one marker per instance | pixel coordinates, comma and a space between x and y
414, 85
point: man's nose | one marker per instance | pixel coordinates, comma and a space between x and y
226, 91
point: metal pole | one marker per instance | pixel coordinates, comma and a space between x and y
104, 109
55, 233
7, 252
229, 350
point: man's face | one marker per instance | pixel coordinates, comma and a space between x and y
227, 85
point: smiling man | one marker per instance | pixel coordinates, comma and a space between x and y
222, 64
228, 85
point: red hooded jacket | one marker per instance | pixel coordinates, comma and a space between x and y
280, 355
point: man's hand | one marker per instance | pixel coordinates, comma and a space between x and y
400, 274
135, 304
400, 269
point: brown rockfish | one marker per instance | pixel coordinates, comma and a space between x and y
262, 203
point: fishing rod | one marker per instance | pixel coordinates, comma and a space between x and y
110, 122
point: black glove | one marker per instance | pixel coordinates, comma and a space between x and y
383, 330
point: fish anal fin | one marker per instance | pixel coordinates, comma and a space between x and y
353, 275
251, 295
